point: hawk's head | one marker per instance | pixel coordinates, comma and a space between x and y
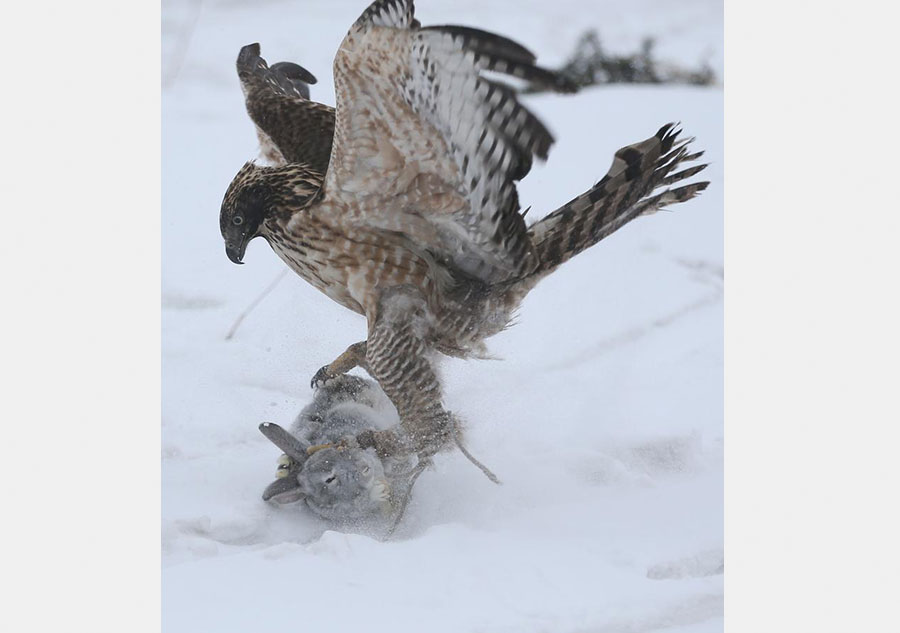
257, 193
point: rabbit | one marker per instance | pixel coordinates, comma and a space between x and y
322, 464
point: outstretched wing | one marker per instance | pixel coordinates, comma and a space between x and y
428, 146
638, 183
291, 128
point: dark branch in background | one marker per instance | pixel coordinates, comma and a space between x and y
590, 65
255, 303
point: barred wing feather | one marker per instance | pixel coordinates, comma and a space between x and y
291, 128
428, 146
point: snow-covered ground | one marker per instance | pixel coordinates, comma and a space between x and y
604, 418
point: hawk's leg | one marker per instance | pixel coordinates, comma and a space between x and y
399, 358
353, 356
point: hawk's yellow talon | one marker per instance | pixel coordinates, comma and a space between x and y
284, 460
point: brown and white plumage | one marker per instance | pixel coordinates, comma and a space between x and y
290, 127
622, 195
416, 221
448, 144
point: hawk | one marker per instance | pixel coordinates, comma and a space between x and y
401, 203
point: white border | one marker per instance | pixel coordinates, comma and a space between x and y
81, 262
811, 317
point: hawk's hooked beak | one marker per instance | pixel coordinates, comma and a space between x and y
235, 251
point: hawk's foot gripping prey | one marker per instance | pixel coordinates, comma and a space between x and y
401, 203
354, 356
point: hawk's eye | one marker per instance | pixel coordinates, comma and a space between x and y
331, 479
237, 220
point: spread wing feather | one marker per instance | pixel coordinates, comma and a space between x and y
426, 145
291, 128
630, 189
398, 14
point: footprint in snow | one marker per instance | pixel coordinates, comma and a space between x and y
176, 301
707, 563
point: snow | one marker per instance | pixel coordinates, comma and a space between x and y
603, 419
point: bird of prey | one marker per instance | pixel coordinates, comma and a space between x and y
413, 220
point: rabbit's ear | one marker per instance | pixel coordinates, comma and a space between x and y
290, 445
283, 490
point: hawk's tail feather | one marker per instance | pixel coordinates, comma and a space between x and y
626, 192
